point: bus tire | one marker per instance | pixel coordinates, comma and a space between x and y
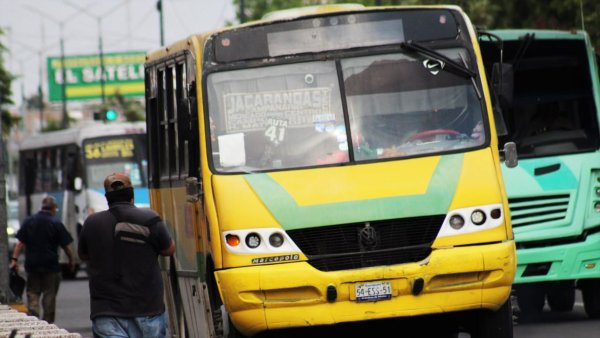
561, 296
590, 290
531, 298
229, 330
494, 324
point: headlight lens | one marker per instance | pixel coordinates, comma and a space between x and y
276, 240
457, 222
478, 217
253, 240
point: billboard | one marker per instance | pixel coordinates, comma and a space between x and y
123, 72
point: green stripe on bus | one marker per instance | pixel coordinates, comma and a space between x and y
435, 201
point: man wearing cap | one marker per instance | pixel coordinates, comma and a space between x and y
41, 235
122, 245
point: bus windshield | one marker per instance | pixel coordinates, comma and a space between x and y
106, 155
352, 109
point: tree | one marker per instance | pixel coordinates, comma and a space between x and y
132, 109
6, 121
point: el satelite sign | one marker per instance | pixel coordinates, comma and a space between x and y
123, 72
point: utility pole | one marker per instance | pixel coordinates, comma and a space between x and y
159, 7
100, 45
101, 52
63, 68
65, 113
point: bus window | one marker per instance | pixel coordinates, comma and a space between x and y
436, 111
284, 118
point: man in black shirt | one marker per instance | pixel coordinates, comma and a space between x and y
41, 235
121, 246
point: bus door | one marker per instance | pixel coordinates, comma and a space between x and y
177, 159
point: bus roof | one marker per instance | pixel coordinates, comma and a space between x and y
282, 15
76, 135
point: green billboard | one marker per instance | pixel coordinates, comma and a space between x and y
123, 72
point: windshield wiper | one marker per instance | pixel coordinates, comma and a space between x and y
441, 58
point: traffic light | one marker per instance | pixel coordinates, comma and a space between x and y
111, 115
106, 115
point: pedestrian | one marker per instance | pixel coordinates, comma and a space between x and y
121, 246
41, 235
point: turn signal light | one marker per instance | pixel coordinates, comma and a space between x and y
232, 240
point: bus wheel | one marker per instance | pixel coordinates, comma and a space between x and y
561, 296
530, 298
590, 290
229, 330
494, 324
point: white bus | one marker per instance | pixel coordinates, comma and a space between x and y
71, 165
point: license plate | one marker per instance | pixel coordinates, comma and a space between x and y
373, 291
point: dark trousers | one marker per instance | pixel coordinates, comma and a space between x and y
42, 287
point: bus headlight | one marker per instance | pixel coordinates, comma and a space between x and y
232, 240
276, 240
466, 220
457, 222
478, 217
253, 240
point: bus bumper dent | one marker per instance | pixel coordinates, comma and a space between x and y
287, 295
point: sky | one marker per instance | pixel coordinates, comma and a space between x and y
32, 30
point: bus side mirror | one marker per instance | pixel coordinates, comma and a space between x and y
510, 155
77, 184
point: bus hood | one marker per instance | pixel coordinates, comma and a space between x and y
304, 198
553, 197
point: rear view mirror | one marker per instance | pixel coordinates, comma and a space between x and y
510, 155
503, 82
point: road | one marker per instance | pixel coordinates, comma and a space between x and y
73, 306
73, 309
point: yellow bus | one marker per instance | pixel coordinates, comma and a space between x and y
335, 166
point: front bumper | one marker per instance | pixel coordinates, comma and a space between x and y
288, 295
560, 262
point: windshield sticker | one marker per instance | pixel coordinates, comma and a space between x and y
275, 131
115, 148
252, 111
232, 150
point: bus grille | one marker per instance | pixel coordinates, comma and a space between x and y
359, 245
537, 210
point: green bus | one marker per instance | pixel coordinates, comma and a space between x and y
547, 101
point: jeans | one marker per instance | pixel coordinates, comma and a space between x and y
130, 327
